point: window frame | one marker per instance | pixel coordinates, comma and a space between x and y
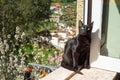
97, 60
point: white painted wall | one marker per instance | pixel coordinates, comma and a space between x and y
96, 32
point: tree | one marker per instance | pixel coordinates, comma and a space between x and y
63, 1
17, 16
25, 13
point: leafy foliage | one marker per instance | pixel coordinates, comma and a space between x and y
64, 1
23, 13
46, 25
17, 16
69, 13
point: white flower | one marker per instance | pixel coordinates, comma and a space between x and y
17, 29
22, 62
2, 57
15, 64
7, 47
23, 58
16, 58
16, 36
1, 45
10, 58
43, 55
0, 39
22, 35
2, 51
37, 61
14, 71
8, 70
5, 41
8, 36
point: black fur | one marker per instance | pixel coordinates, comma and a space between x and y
77, 49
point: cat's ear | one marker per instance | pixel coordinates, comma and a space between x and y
80, 23
91, 24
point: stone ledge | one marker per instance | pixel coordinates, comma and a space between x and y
94, 74
88, 74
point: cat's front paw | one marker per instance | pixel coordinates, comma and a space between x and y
87, 66
75, 68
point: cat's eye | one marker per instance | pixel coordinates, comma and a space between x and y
82, 27
88, 28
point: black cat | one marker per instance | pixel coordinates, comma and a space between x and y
77, 49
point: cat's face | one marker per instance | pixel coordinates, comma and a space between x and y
85, 29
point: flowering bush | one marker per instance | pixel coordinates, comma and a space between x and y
16, 52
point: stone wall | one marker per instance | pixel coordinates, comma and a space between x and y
80, 10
